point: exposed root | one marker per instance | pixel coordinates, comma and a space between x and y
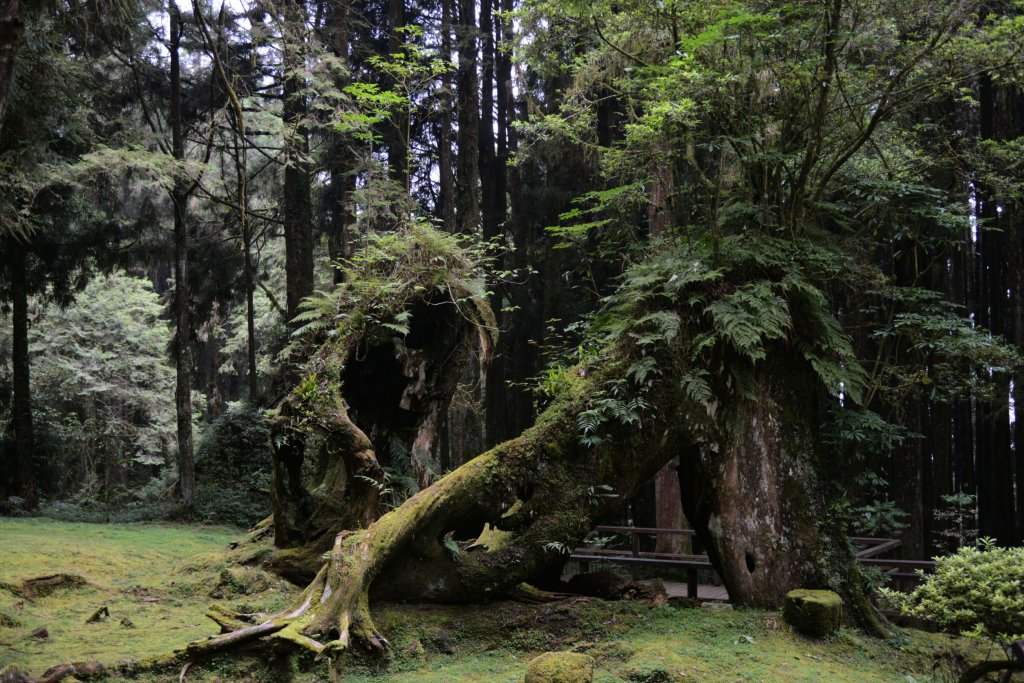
229, 620
42, 586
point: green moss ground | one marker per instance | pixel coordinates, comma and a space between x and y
161, 578
158, 577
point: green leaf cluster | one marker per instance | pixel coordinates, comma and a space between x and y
978, 591
724, 309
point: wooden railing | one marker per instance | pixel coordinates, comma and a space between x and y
868, 555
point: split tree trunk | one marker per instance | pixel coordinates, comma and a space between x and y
750, 476
402, 392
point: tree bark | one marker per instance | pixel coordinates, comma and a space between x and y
297, 211
182, 298
446, 172
669, 508
340, 160
489, 204
289, 500
11, 29
398, 142
752, 491
24, 442
467, 94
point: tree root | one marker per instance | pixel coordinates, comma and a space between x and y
41, 586
979, 671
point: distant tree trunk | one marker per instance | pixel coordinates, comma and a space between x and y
995, 458
244, 227
963, 415
182, 311
398, 144
669, 508
497, 391
446, 171
340, 162
906, 476
297, 210
504, 101
24, 445
10, 42
468, 92
488, 157
1015, 277
290, 501
250, 315
659, 205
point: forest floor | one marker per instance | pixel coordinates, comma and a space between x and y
156, 582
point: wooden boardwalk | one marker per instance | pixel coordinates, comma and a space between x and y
869, 552
704, 592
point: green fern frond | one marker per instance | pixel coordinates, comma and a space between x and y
751, 316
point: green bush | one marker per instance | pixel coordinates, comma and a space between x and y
976, 592
233, 446
233, 468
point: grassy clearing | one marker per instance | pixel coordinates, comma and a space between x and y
634, 643
154, 579
161, 578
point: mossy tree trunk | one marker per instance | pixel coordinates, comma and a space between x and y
491, 524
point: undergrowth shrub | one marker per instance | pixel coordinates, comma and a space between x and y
977, 591
233, 468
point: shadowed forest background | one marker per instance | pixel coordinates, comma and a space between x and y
754, 268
